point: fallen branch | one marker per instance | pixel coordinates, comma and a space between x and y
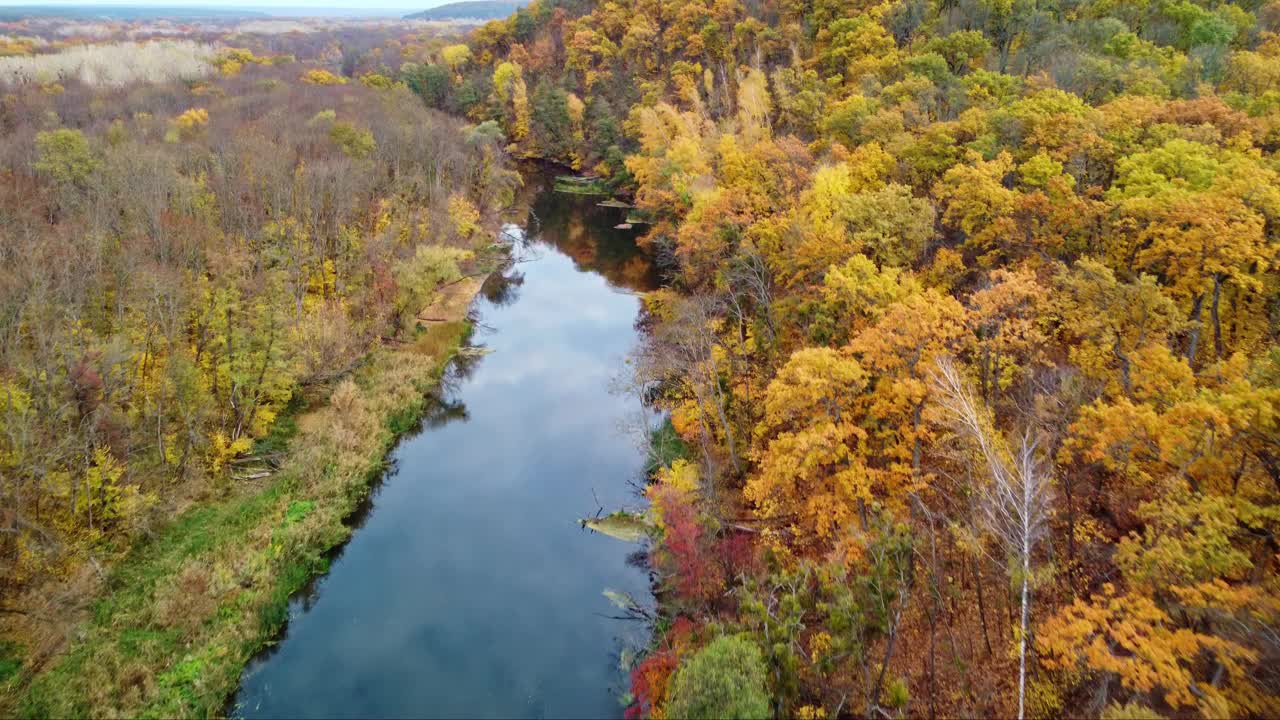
269, 458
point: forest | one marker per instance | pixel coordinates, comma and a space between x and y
968, 347
198, 240
967, 351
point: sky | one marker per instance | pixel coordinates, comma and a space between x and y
272, 6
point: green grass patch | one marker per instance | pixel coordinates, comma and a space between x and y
10, 661
122, 630
298, 510
185, 609
402, 421
581, 186
440, 340
665, 447
283, 429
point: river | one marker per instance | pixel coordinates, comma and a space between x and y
468, 588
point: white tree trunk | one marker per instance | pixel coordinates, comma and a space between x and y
1022, 641
1015, 503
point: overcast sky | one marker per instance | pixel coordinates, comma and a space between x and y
314, 6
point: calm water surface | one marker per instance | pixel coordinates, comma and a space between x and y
469, 589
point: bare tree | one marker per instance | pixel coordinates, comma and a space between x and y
681, 355
750, 280
1015, 504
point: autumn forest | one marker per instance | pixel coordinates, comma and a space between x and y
965, 350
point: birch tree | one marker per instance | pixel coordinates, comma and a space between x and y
1014, 504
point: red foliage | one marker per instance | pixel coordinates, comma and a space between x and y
650, 676
649, 682
737, 550
685, 552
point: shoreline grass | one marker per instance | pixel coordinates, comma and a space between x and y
575, 185
185, 610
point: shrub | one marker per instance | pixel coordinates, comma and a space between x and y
418, 277
726, 679
355, 143
323, 77
379, 82
189, 124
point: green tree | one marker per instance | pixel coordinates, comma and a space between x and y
723, 680
355, 143
429, 82
552, 129
65, 157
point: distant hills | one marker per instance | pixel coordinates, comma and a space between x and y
470, 10
123, 12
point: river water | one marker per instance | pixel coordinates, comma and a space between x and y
468, 588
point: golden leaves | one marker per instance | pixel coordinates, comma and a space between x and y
1129, 636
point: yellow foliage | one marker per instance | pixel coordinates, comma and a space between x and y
222, 450
374, 80
455, 56
1130, 637
103, 499
318, 76
684, 419
681, 476
811, 712
463, 215
811, 468
192, 118
1133, 711
15, 403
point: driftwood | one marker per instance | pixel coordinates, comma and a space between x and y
271, 458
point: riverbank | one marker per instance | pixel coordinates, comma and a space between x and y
416, 616
180, 616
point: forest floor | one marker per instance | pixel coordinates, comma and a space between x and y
167, 630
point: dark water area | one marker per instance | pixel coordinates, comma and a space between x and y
469, 588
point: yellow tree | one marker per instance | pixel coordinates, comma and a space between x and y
674, 160
979, 205
1199, 242
855, 295
1129, 637
898, 354
509, 88
1105, 320
1183, 462
456, 57
754, 105
1007, 320
811, 473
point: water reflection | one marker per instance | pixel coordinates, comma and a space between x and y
579, 227
502, 288
469, 590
